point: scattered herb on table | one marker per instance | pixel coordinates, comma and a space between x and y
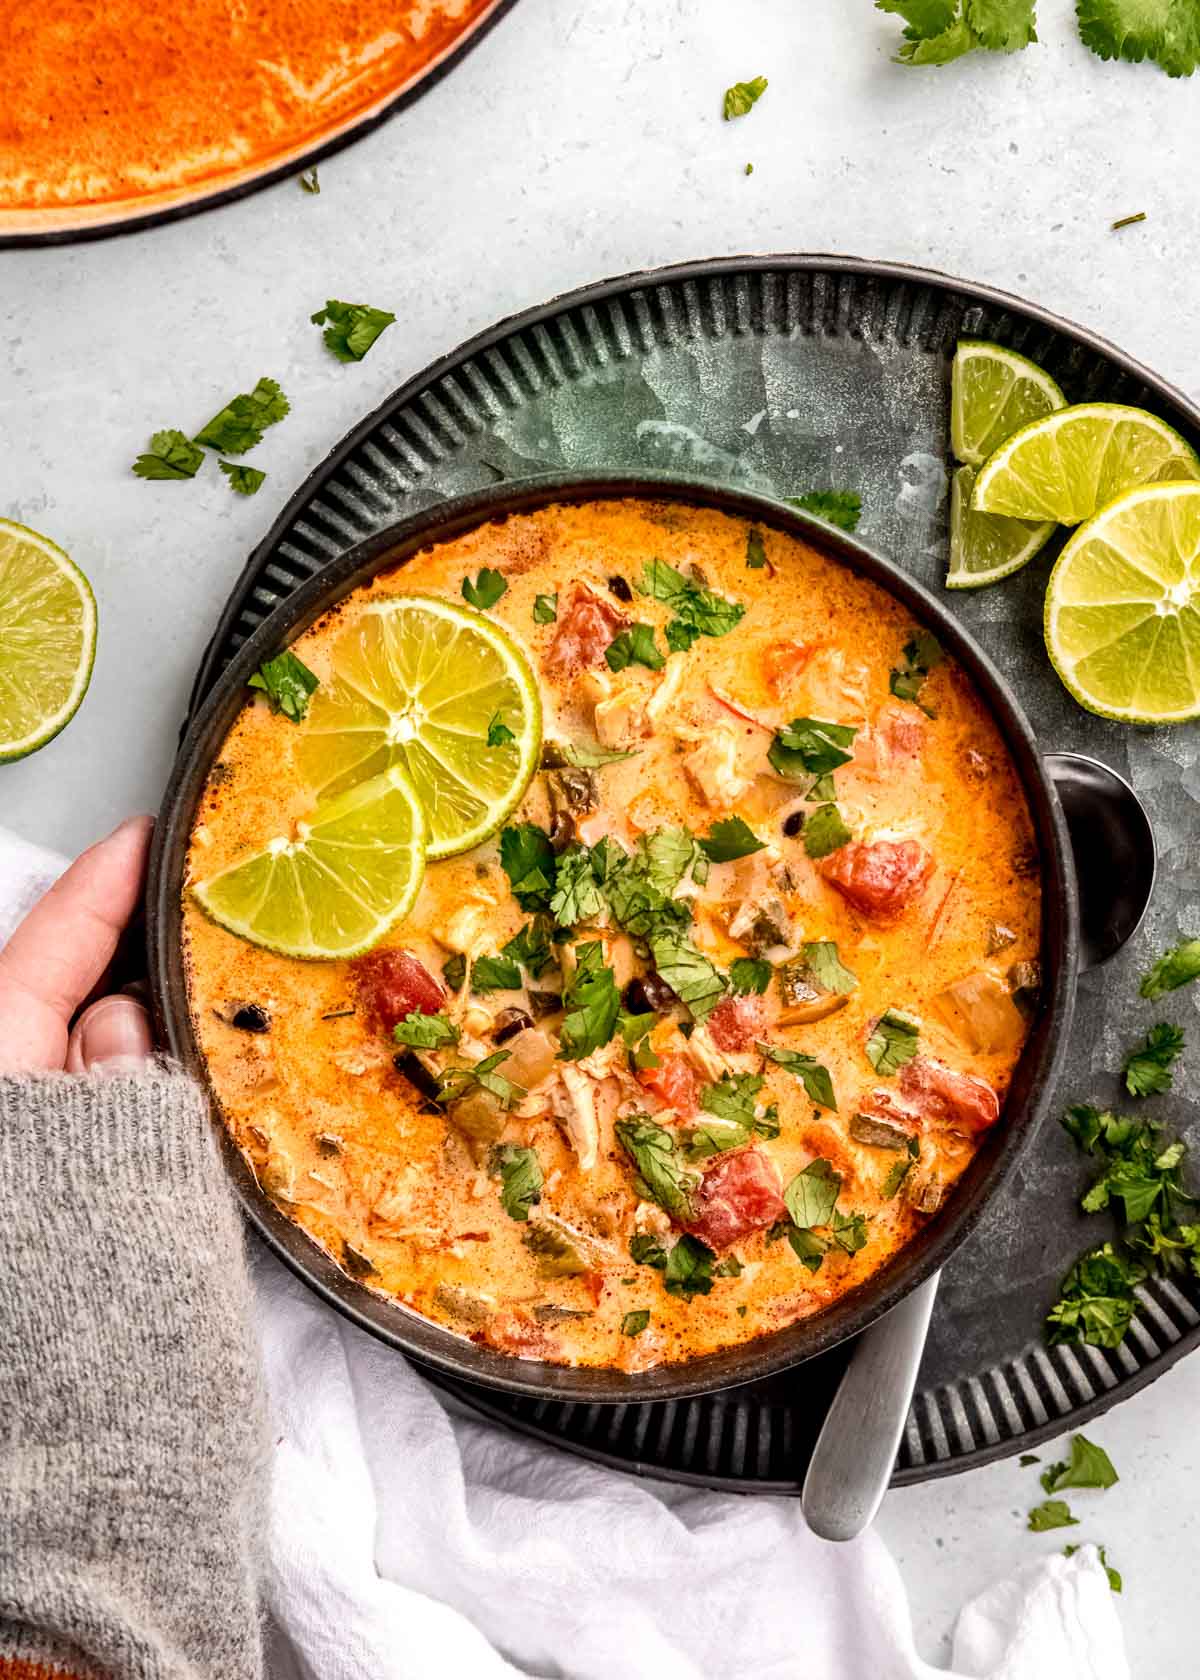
1148, 1068
287, 683
240, 425
310, 181
351, 328
1114, 1579
1052, 1513
246, 481
842, 508
1090, 1467
939, 31
1124, 222
171, 455
1027, 1459
1175, 968
742, 97
486, 590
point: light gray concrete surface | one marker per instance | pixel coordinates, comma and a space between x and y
583, 139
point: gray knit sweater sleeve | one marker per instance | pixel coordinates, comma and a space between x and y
132, 1445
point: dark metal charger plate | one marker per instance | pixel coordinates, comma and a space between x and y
785, 374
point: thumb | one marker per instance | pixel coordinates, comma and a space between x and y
111, 1036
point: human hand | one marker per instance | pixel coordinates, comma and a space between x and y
59, 954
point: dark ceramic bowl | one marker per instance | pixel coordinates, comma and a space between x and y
1032, 1084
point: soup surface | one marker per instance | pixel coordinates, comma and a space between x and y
820, 1003
103, 102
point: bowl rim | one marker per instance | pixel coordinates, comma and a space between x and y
175, 204
1033, 1083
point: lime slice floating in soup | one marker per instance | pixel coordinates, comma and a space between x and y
1074, 462
985, 547
1123, 607
352, 869
993, 393
47, 640
423, 682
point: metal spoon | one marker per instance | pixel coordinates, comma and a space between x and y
1112, 844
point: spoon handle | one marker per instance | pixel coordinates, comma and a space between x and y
855, 1453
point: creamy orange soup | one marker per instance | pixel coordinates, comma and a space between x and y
110, 100
805, 1060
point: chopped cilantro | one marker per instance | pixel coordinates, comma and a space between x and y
545, 608
530, 946
807, 1246
730, 838
810, 747
242, 422
558, 754
592, 1004
1052, 1513
456, 1082
577, 898
731, 1266
689, 1269
1176, 968
922, 653
310, 181
850, 1231
756, 554
662, 1174
810, 1072
246, 481
1096, 1301
647, 1250
520, 1179
454, 971
691, 976
635, 1322
749, 974
1168, 34
425, 1032
899, 1170
287, 683
1090, 1467
352, 328
893, 1041
821, 958
842, 508
1148, 1068
486, 589
499, 734
528, 860
170, 455
634, 646
494, 974
742, 96
698, 611
1027, 1459
825, 832
939, 31
812, 1195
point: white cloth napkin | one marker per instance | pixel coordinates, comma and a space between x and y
406, 1542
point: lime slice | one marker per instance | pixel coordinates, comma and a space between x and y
985, 547
420, 681
351, 871
47, 640
1074, 462
1123, 607
993, 393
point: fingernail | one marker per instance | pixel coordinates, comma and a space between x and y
113, 1036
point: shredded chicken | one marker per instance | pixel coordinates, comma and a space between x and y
649, 1220
713, 1062
713, 768
466, 931
579, 1114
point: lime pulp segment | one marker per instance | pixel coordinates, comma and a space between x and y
993, 393
985, 547
47, 639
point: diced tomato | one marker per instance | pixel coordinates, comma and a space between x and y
880, 878
739, 1193
783, 662
737, 1022
942, 1094
392, 984
586, 626
510, 1331
676, 1084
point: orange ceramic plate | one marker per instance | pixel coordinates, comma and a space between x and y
110, 118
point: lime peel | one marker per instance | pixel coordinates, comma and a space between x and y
47, 640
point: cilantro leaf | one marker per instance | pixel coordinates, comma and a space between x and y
825, 832
310, 181
742, 96
521, 1179
1053, 1513
454, 971
244, 419
1090, 1467
287, 683
558, 754
247, 481
494, 974
730, 838
1148, 1068
691, 976
689, 1269
842, 508
1096, 1300
899, 1171
635, 1322
1002, 25
660, 1167
457, 1081
170, 455
821, 958
592, 1003
893, 1041
634, 646
812, 1195
756, 554
924, 18
698, 611
1177, 967
850, 1231
922, 653
425, 1032
499, 734
648, 1250
486, 589
527, 858
576, 896
352, 329
749, 974
810, 1072
810, 747
545, 608
733, 1098
530, 946
1166, 31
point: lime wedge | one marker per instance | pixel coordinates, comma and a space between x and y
47, 640
1075, 461
985, 547
1123, 607
351, 871
420, 681
993, 393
